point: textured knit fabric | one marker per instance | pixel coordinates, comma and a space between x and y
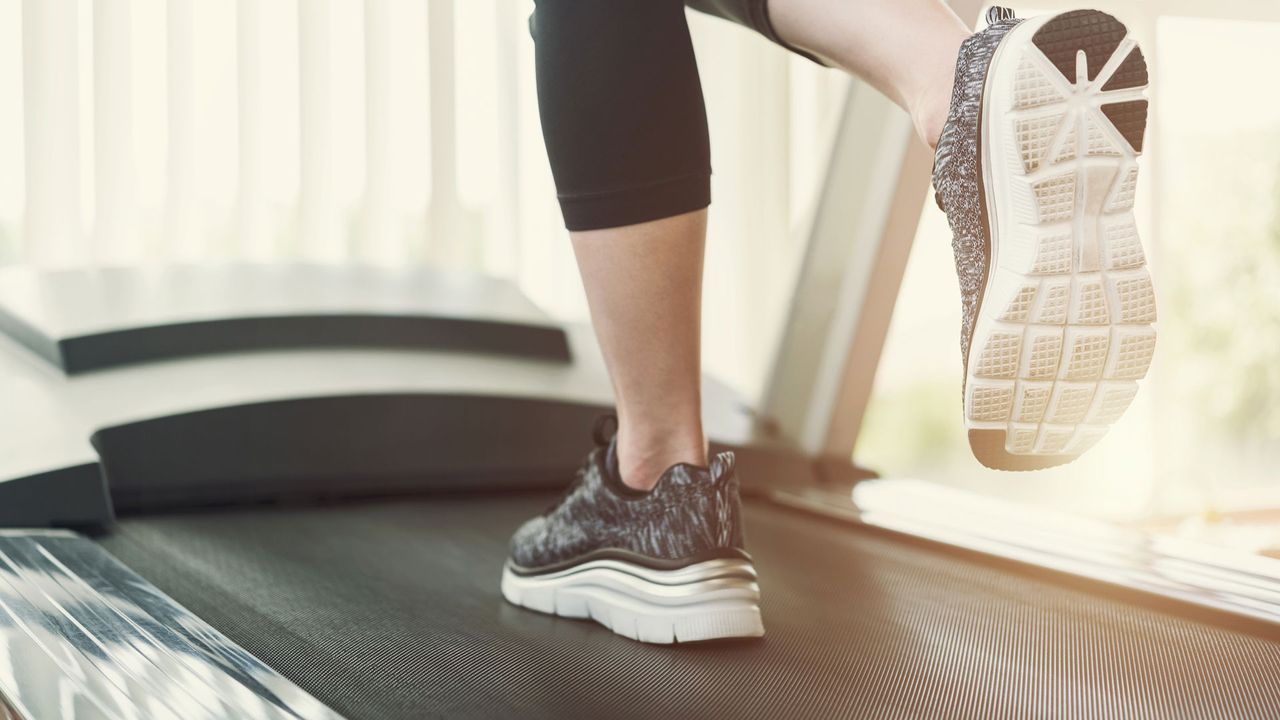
957, 172
690, 512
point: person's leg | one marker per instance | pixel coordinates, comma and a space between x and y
625, 128
647, 514
905, 48
626, 133
644, 286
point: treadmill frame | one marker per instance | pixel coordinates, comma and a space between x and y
859, 239
83, 632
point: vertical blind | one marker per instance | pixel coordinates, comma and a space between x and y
387, 132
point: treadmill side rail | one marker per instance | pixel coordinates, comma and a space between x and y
88, 638
84, 320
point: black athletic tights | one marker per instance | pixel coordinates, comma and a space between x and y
621, 105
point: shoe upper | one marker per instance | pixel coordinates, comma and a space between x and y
957, 173
691, 512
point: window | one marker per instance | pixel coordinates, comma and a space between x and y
1199, 450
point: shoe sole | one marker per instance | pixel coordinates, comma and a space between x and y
705, 601
1065, 326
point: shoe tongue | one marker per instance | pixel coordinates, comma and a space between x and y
612, 476
611, 461
998, 14
722, 466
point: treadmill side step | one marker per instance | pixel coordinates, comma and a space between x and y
343, 445
74, 496
82, 631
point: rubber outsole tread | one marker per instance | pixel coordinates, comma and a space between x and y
1130, 118
1132, 73
1096, 33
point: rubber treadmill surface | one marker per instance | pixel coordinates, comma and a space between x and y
391, 610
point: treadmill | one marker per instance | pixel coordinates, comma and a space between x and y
285, 491
273, 491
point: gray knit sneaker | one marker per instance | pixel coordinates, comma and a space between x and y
1036, 171
661, 566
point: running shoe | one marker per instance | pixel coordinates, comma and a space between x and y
1036, 171
662, 566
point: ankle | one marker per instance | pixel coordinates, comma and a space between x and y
642, 463
930, 104
929, 114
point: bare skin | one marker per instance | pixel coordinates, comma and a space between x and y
906, 49
644, 282
644, 287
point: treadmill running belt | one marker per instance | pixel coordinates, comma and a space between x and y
391, 610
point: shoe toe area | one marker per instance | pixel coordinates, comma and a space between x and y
527, 541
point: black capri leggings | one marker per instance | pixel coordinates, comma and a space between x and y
621, 105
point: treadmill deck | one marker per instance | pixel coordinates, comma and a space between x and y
391, 609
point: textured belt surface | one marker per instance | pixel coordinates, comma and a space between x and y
392, 610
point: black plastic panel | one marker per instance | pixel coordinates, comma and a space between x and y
68, 497
85, 320
288, 332
344, 446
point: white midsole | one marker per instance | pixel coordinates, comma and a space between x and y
714, 599
707, 570
995, 179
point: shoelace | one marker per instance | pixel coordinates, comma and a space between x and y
997, 14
